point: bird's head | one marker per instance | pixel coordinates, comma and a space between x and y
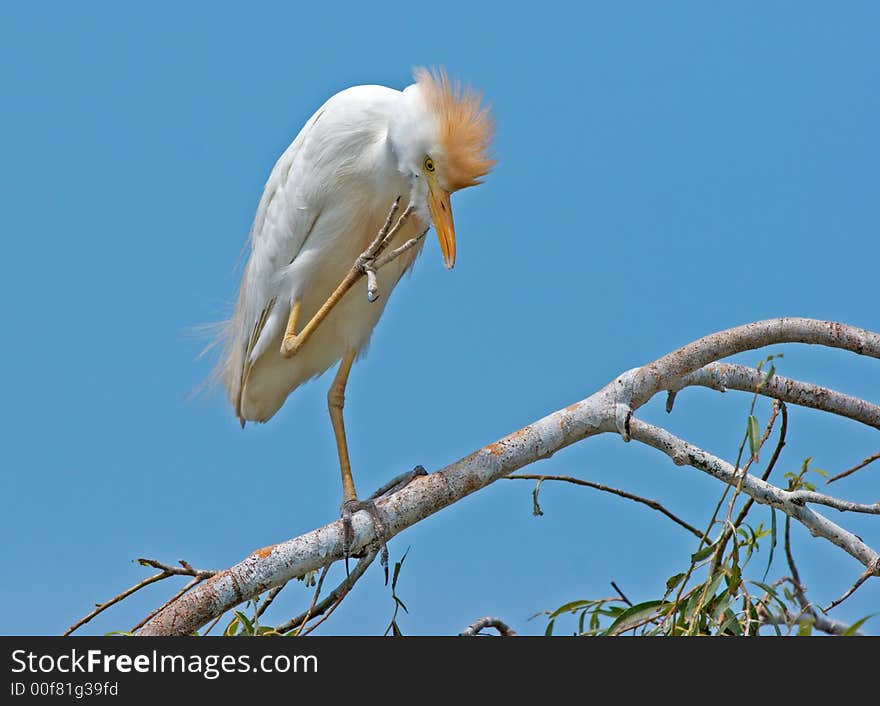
441, 137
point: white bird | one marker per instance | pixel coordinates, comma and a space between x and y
324, 203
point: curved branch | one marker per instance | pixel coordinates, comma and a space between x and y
472, 630
664, 372
730, 376
608, 410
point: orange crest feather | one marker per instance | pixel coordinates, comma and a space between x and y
466, 128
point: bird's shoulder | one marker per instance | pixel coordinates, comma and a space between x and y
327, 147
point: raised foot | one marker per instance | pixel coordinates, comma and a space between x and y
350, 507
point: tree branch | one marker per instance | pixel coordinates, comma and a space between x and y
664, 373
472, 630
608, 410
730, 376
792, 503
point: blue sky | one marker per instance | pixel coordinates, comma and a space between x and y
665, 171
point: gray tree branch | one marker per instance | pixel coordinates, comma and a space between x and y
608, 410
730, 376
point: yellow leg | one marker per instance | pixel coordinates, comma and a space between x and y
385, 236
335, 403
287, 344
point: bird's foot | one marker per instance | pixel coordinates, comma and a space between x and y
350, 507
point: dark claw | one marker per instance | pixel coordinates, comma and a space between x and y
349, 507
398, 482
347, 533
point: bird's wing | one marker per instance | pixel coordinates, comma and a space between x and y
281, 225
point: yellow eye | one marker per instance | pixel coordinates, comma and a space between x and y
429, 164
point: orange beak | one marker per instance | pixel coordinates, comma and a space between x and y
441, 213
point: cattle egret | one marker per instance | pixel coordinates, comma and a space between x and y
365, 150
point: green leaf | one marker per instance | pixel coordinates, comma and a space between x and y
731, 623
805, 627
636, 614
397, 567
703, 553
673, 581
548, 631
854, 628
570, 608
734, 578
691, 605
713, 585
771, 592
232, 628
754, 433
720, 604
247, 624
772, 542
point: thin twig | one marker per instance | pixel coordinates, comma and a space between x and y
337, 593
795, 574
315, 596
165, 571
729, 526
171, 600
855, 468
621, 594
270, 597
113, 601
852, 589
326, 616
653, 504
185, 569
783, 430
212, 625
472, 630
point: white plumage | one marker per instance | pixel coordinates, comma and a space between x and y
326, 199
